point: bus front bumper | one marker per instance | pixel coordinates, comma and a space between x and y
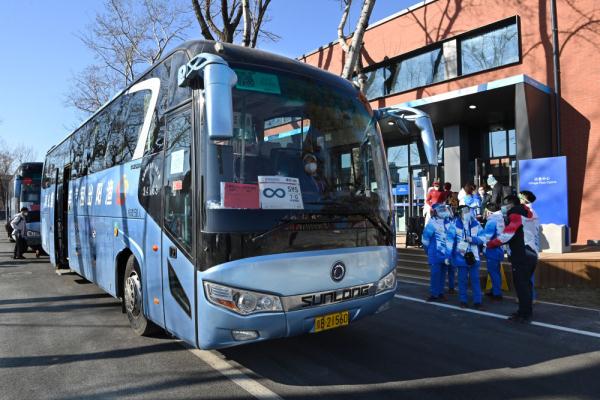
220, 326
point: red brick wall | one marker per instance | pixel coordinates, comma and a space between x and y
579, 27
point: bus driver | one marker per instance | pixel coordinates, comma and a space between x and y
315, 182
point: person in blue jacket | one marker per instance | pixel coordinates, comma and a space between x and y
434, 241
464, 237
494, 256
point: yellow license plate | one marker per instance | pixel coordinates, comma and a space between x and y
331, 321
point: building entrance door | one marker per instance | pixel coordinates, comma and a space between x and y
504, 170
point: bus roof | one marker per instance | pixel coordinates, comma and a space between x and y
238, 55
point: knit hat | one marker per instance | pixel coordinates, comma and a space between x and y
491, 180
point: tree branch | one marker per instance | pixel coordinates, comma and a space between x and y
341, 37
203, 25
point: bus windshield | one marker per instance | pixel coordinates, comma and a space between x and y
300, 148
30, 197
30, 193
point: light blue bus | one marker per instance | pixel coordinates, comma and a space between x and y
228, 196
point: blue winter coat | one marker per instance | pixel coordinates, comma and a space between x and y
494, 227
457, 245
434, 239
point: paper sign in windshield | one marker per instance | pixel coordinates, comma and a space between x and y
177, 162
280, 192
257, 81
239, 195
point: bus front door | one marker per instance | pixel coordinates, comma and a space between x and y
61, 235
178, 266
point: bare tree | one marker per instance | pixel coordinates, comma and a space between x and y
125, 38
352, 59
220, 20
10, 158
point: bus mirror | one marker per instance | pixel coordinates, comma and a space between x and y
423, 122
403, 114
218, 79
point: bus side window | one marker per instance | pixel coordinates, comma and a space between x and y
134, 110
177, 94
76, 150
178, 179
99, 129
115, 138
154, 142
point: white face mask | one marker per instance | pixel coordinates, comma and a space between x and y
482, 193
443, 214
310, 168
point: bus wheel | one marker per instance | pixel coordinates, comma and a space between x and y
132, 297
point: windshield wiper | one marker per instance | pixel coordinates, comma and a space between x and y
382, 225
375, 221
289, 221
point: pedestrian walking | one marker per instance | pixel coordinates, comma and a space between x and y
466, 190
19, 226
434, 196
531, 228
464, 236
484, 199
494, 226
522, 257
434, 241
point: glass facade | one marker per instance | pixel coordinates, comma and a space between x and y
478, 52
490, 50
374, 85
502, 143
420, 70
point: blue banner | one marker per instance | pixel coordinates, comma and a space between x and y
401, 189
547, 179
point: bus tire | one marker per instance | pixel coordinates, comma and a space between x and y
133, 299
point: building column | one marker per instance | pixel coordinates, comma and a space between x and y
532, 122
455, 153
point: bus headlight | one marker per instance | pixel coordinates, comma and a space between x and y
388, 282
241, 301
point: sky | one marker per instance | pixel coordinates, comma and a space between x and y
41, 52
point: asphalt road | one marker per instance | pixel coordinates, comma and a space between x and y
62, 338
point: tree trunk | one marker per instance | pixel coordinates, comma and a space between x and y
354, 50
247, 23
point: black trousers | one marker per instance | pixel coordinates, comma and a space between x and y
523, 269
20, 247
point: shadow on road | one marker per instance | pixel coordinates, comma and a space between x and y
57, 307
56, 298
22, 263
36, 361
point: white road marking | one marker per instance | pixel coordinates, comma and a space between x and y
234, 374
514, 298
500, 316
